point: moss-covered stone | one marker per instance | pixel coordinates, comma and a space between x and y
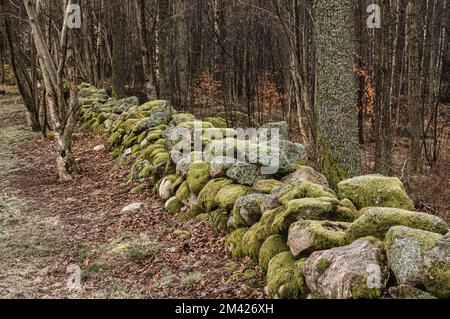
218, 220
310, 209
196, 125
375, 191
273, 245
306, 237
179, 118
405, 252
140, 188
266, 186
376, 221
249, 209
197, 176
183, 192
301, 188
173, 206
308, 173
206, 198
243, 173
227, 196
216, 122
253, 240
437, 269
233, 243
161, 158
284, 277
346, 272
191, 213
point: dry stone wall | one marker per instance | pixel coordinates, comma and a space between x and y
310, 240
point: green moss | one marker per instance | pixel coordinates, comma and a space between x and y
284, 277
218, 221
228, 195
177, 183
233, 243
332, 166
161, 158
206, 198
182, 118
216, 122
146, 170
192, 213
377, 221
140, 188
273, 245
253, 240
265, 186
375, 191
196, 124
154, 135
183, 192
360, 289
323, 265
305, 208
304, 189
197, 176
173, 206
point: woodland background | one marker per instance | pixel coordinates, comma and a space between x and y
261, 57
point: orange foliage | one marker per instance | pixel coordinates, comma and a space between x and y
267, 96
207, 90
367, 75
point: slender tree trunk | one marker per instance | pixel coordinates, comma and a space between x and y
119, 48
150, 88
414, 88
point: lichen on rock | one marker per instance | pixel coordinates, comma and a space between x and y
437, 269
405, 252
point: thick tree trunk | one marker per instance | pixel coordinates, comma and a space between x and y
337, 129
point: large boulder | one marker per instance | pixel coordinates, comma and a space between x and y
437, 268
377, 221
348, 272
309, 236
295, 153
375, 191
243, 173
405, 251
284, 277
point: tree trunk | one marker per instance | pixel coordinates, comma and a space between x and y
150, 88
414, 88
119, 48
337, 129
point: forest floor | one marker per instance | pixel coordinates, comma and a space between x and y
48, 229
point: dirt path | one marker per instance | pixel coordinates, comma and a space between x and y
48, 229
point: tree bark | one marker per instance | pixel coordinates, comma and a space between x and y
337, 129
